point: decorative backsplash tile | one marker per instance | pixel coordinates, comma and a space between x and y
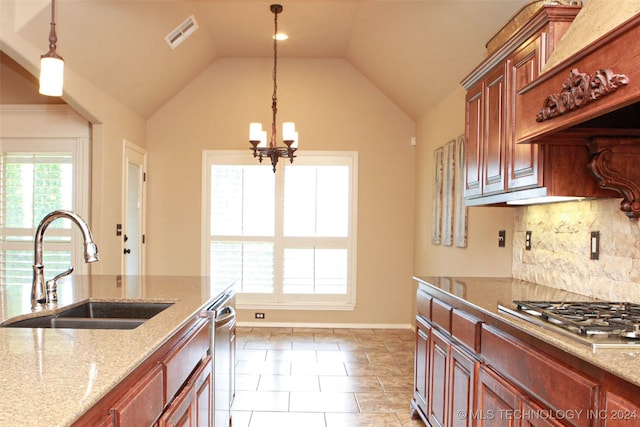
560, 249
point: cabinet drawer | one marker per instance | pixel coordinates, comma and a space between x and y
466, 328
184, 358
143, 404
441, 314
423, 302
549, 381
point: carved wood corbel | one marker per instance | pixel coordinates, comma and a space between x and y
614, 163
580, 89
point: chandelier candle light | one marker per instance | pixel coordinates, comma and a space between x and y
257, 136
52, 64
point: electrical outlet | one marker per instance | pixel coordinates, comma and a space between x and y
527, 240
502, 237
259, 315
595, 245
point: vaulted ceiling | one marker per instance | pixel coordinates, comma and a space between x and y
414, 51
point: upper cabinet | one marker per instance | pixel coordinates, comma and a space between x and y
498, 169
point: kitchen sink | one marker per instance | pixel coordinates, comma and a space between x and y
115, 310
95, 315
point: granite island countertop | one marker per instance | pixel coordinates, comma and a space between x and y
50, 377
487, 293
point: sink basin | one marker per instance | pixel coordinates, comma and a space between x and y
75, 323
95, 315
115, 310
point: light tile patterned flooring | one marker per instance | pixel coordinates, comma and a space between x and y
304, 377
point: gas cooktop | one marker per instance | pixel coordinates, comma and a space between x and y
600, 324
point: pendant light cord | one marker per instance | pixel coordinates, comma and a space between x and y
53, 38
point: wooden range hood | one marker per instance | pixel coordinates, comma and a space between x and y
592, 98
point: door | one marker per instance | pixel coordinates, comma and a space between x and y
523, 163
494, 133
134, 210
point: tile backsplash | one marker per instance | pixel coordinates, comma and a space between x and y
560, 248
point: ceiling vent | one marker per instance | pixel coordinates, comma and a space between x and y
182, 32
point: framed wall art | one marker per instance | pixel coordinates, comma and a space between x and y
449, 172
436, 225
460, 209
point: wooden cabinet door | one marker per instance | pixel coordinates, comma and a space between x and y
462, 388
142, 404
523, 159
421, 372
474, 111
619, 412
535, 416
438, 384
495, 131
193, 406
202, 385
181, 412
498, 401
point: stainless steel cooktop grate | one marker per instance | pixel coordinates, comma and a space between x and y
599, 324
588, 318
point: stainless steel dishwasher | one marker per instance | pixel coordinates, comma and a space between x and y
222, 315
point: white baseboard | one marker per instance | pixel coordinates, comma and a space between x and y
260, 324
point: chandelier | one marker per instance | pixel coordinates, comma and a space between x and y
52, 64
257, 136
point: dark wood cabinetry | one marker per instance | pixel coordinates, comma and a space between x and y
486, 103
143, 403
498, 400
619, 411
438, 383
421, 372
462, 388
192, 406
473, 369
592, 95
170, 388
523, 163
497, 168
445, 368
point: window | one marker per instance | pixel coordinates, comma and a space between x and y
37, 177
289, 237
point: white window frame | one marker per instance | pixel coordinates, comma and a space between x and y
278, 300
52, 128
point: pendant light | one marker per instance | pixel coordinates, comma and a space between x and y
52, 64
257, 136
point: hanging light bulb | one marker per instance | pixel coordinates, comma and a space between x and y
52, 64
257, 136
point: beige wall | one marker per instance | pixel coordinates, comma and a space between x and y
334, 108
482, 256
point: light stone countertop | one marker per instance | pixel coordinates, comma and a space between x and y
50, 377
486, 293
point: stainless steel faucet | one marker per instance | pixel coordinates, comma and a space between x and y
38, 294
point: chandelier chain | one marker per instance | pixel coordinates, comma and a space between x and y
274, 97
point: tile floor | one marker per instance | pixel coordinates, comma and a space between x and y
323, 377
